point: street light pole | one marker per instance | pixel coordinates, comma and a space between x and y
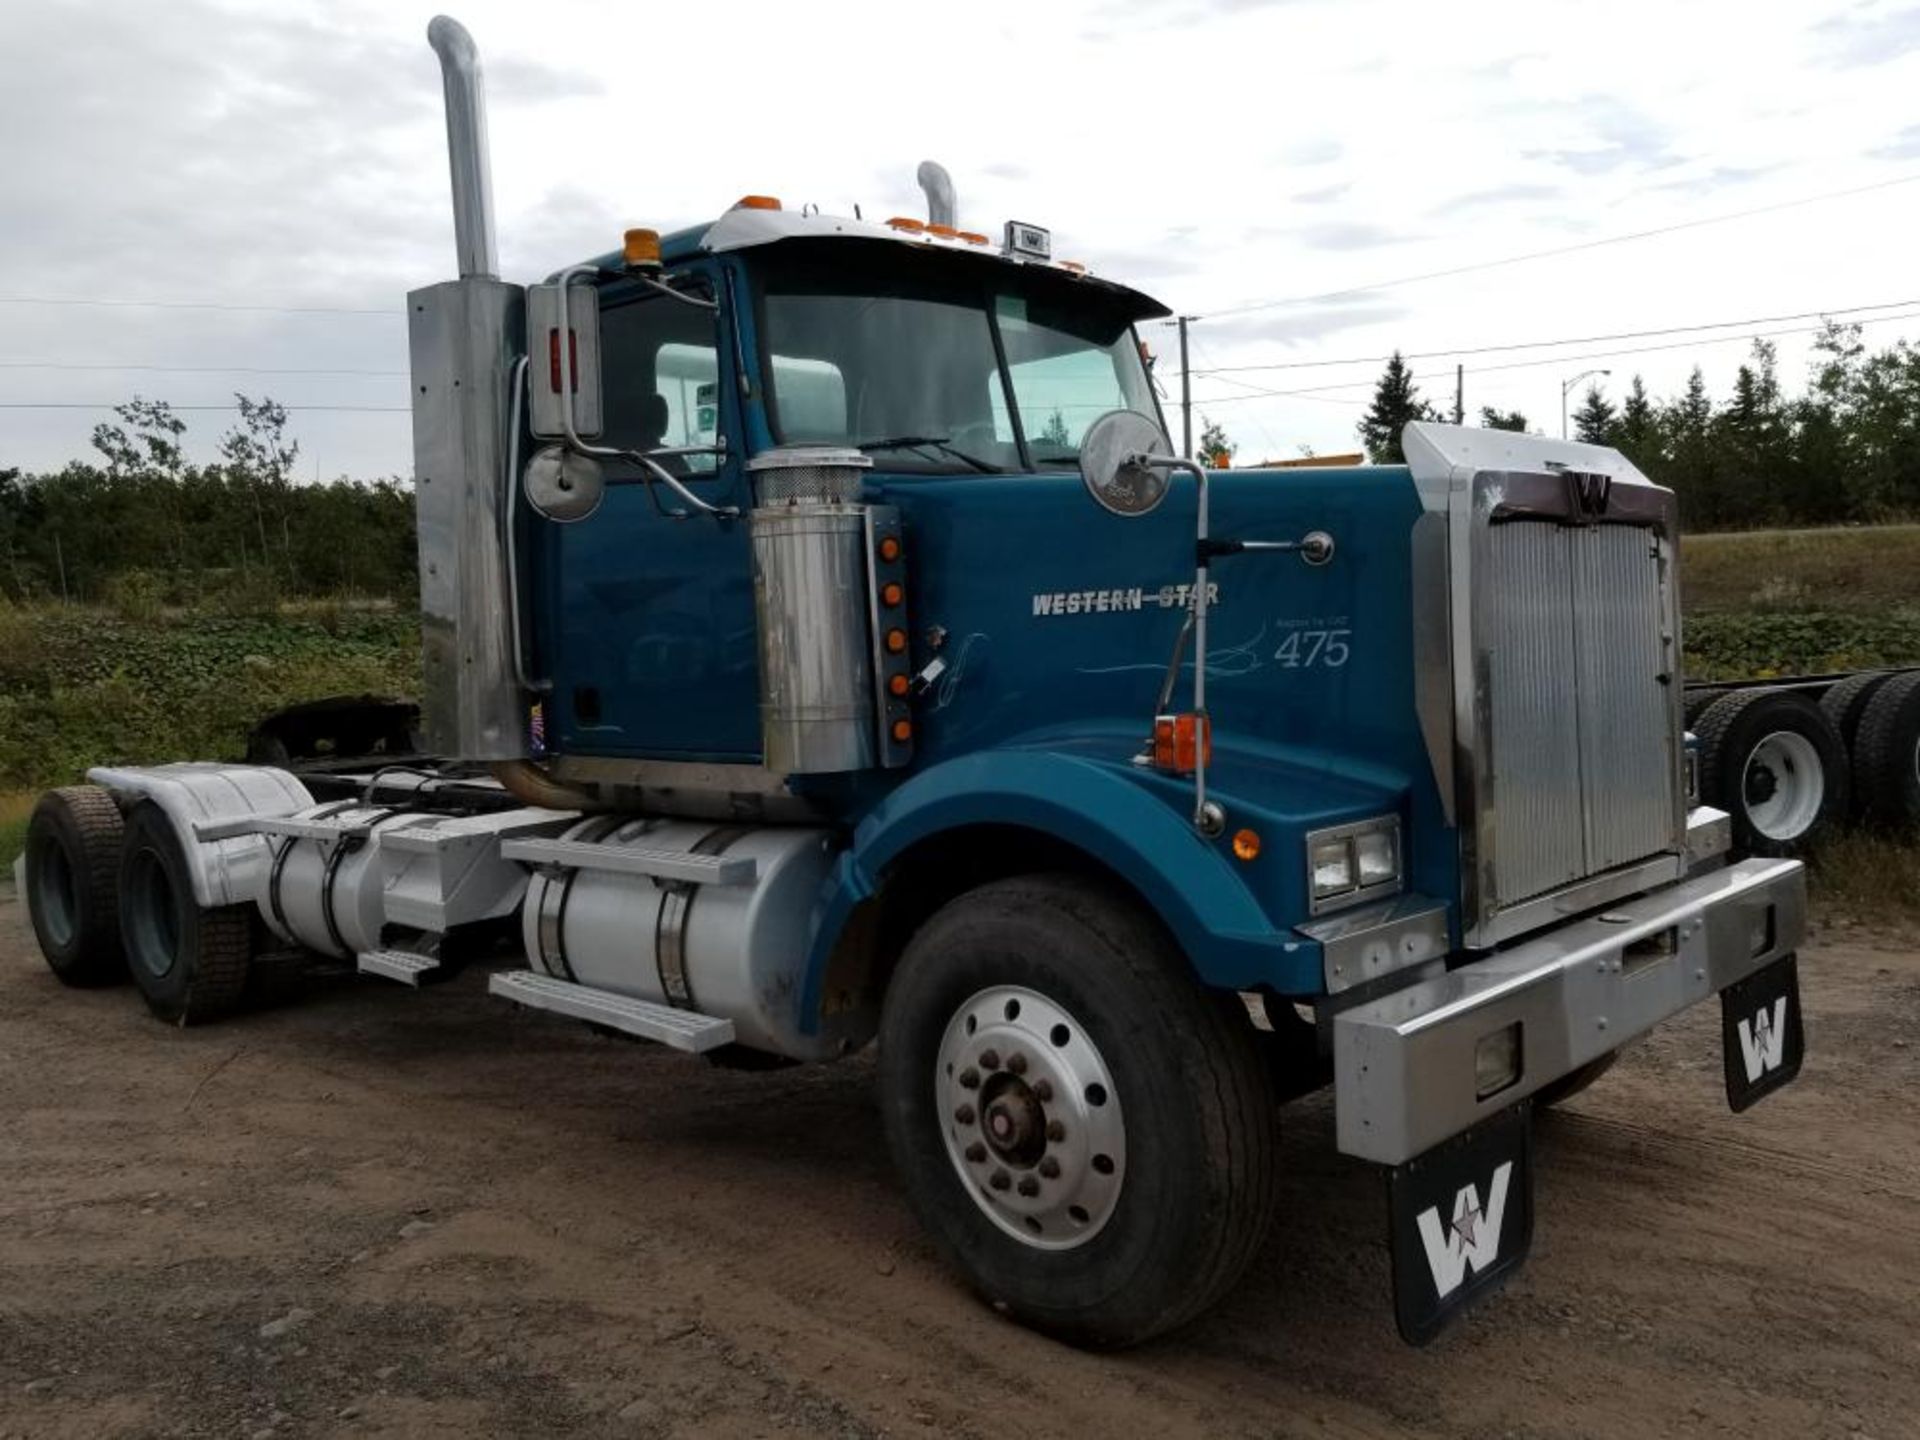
1566, 387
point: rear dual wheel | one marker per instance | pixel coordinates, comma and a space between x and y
73, 858
190, 961
1886, 754
1087, 1133
1775, 762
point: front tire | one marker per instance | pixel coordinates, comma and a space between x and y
1086, 1132
190, 961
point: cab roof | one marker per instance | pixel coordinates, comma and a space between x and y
747, 228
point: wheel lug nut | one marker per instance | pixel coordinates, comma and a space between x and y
976, 1152
1049, 1167
964, 1114
1029, 1186
989, 1059
1017, 1063
1056, 1131
1043, 1091
970, 1078
999, 1180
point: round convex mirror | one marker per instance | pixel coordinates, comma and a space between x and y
1110, 466
564, 486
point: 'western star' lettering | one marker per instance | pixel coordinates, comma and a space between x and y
1130, 598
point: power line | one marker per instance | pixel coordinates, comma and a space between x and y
391, 312
1574, 249
1321, 391
1568, 340
116, 404
189, 369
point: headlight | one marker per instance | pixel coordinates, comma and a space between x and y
1348, 863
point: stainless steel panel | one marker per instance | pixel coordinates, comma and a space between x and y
1404, 1074
1532, 673
816, 667
464, 336
1627, 755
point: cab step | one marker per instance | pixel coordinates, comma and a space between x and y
402, 965
679, 1029
674, 866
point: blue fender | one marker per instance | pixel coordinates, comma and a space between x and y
1104, 810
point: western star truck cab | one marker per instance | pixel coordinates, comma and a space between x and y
823, 644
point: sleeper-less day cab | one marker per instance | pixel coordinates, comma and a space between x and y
822, 645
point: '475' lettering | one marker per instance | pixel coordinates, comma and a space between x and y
1303, 649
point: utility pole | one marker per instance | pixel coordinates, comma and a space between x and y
1186, 396
1460, 394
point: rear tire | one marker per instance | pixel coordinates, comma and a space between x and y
1142, 1113
190, 961
1846, 702
1886, 755
73, 861
1773, 760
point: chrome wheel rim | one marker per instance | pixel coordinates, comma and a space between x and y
1783, 785
1031, 1117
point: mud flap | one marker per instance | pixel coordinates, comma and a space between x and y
1760, 1032
1462, 1221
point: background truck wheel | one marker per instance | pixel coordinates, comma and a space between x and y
1886, 754
73, 859
1774, 761
191, 963
1573, 1082
1088, 1135
1846, 702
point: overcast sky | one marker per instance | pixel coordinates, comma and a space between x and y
1217, 153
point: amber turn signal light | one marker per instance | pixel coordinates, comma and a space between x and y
1246, 844
1180, 741
891, 593
899, 685
896, 641
890, 548
903, 730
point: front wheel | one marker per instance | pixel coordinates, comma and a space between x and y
1087, 1133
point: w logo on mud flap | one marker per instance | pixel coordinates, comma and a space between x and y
1763, 1040
1470, 1241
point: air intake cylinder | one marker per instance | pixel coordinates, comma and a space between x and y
809, 534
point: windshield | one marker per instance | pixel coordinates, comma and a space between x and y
907, 366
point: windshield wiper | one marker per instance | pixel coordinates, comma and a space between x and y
929, 442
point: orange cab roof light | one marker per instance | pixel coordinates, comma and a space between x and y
908, 224
1074, 265
641, 248
945, 232
973, 237
756, 202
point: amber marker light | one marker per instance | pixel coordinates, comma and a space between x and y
908, 224
891, 593
756, 202
1246, 844
642, 248
896, 641
890, 548
899, 685
903, 730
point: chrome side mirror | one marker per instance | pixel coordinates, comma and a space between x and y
563, 485
1112, 464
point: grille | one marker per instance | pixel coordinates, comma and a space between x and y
1581, 722
807, 476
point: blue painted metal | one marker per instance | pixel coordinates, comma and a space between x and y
1058, 620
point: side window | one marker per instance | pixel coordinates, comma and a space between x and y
1062, 382
661, 369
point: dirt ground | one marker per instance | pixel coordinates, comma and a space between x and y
379, 1212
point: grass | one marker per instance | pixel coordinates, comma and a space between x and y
15, 810
1859, 876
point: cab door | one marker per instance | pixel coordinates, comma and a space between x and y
648, 619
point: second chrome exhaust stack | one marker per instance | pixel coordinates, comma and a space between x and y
466, 147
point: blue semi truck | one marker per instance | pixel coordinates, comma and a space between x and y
824, 645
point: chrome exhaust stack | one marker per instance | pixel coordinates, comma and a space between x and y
466, 102
938, 185
467, 337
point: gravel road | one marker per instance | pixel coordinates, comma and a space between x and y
374, 1212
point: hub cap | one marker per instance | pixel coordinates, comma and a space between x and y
1783, 786
1031, 1117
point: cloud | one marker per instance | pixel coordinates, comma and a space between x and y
1618, 137
1904, 146
1350, 235
1869, 36
1325, 195
513, 79
1295, 325
1518, 193
1006, 170
1720, 177
1323, 150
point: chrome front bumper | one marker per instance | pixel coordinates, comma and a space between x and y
1404, 1064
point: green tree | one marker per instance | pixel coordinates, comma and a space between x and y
1054, 432
1593, 422
1492, 419
1215, 448
1637, 431
1396, 404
